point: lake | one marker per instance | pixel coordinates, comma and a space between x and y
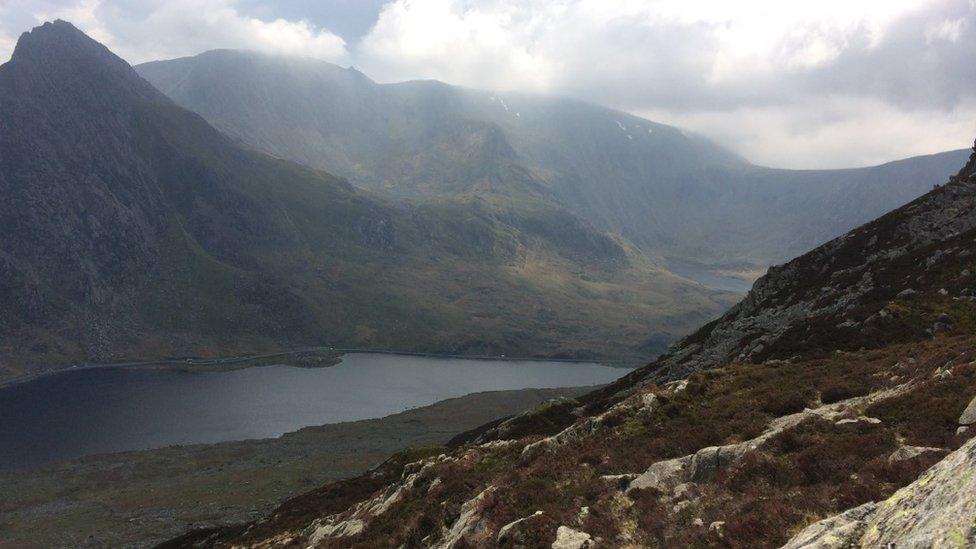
77, 413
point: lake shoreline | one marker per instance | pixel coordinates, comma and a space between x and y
223, 364
82, 493
108, 408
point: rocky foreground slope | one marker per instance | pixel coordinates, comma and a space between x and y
805, 416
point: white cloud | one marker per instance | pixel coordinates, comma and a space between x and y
949, 30
7, 44
787, 83
832, 82
533, 42
157, 29
831, 132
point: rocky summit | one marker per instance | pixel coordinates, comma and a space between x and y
832, 407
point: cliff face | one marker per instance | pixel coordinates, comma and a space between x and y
838, 380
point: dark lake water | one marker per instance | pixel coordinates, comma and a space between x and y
110, 410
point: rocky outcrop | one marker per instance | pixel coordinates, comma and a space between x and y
354, 520
469, 523
907, 452
567, 538
937, 510
844, 530
702, 466
968, 416
510, 532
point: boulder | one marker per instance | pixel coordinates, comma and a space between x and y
861, 419
968, 416
911, 452
511, 530
843, 530
649, 402
936, 510
567, 538
470, 521
662, 475
701, 466
942, 328
707, 461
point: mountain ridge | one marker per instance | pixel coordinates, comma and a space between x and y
675, 195
134, 229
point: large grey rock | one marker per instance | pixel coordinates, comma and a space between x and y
662, 475
906, 294
968, 416
708, 461
910, 452
843, 530
567, 538
937, 510
510, 531
471, 521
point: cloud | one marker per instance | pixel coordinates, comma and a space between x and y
703, 48
831, 131
787, 83
144, 30
7, 43
824, 83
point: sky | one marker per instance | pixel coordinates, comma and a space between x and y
787, 83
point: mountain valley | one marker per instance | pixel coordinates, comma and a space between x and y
811, 410
263, 301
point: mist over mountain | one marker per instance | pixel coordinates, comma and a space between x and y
131, 228
676, 195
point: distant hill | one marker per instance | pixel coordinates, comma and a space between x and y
690, 202
131, 228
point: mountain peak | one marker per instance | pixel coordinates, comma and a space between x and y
59, 39
75, 61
